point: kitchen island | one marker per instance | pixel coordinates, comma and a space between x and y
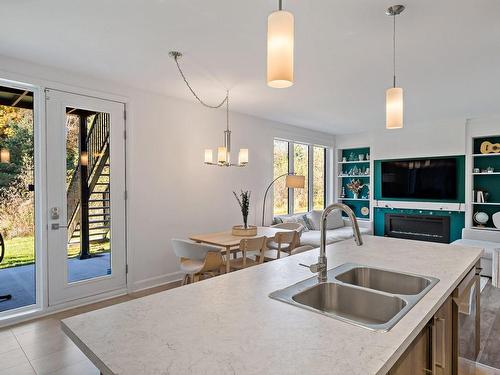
229, 325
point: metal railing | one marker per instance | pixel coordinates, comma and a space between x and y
97, 150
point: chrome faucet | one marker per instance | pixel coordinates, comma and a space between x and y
321, 267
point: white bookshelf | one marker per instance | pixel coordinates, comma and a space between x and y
342, 169
485, 181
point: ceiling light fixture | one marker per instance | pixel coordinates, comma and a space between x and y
224, 151
280, 36
394, 95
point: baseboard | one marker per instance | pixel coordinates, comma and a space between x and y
153, 282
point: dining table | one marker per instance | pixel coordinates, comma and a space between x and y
229, 242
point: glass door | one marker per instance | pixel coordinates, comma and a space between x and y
86, 196
17, 198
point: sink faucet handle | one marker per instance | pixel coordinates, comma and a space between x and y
314, 268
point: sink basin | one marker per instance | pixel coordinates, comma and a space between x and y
385, 281
365, 296
355, 304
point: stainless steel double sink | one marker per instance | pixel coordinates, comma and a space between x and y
369, 297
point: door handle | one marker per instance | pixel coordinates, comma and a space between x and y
56, 226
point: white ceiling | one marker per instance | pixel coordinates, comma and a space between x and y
448, 54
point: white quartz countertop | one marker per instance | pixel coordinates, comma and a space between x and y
229, 325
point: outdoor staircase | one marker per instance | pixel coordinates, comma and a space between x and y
98, 182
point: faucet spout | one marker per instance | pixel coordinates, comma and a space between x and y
322, 261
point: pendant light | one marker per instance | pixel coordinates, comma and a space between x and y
394, 95
280, 40
224, 151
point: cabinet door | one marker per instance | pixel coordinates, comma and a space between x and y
416, 360
442, 339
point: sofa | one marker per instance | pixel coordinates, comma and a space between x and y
489, 241
339, 228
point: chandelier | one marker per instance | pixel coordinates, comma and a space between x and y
224, 151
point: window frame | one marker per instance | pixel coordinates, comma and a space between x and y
310, 174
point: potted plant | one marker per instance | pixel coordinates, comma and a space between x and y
244, 201
355, 186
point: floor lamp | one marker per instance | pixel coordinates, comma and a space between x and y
293, 181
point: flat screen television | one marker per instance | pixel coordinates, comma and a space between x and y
434, 179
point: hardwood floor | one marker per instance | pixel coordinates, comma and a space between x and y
40, 346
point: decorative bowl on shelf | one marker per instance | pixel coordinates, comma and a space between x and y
240, 230
496, 219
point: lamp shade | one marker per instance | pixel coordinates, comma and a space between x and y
295, 182
394, 108
221, 154
280, 39
243, 156
208, 156
4, 155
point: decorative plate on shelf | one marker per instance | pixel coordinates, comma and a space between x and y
481, 218
496, 219
365, 211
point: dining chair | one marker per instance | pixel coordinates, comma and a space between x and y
197, 259
272, 244
285, 243
250, 247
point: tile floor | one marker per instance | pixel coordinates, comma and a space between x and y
490, 326
40, 347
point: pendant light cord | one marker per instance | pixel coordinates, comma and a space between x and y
280, 4
225, 100
394, 51
227, 110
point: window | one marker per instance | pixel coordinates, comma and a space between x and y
280, 168
305, 160
301, 167
319, 168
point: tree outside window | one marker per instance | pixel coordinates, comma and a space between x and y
308, 161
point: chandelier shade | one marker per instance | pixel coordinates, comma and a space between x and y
280, 43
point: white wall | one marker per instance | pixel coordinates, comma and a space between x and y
171, 192
439, 138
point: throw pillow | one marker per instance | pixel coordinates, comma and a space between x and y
314, 218
277, 220
333, 221
296, 219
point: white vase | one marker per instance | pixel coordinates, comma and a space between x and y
355, 195
496, 219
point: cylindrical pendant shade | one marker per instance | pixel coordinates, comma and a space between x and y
208, 156
280, 35
394, 108
221, 154
4, 156
243, 156
295, 182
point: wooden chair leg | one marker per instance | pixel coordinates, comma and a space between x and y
185, 279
